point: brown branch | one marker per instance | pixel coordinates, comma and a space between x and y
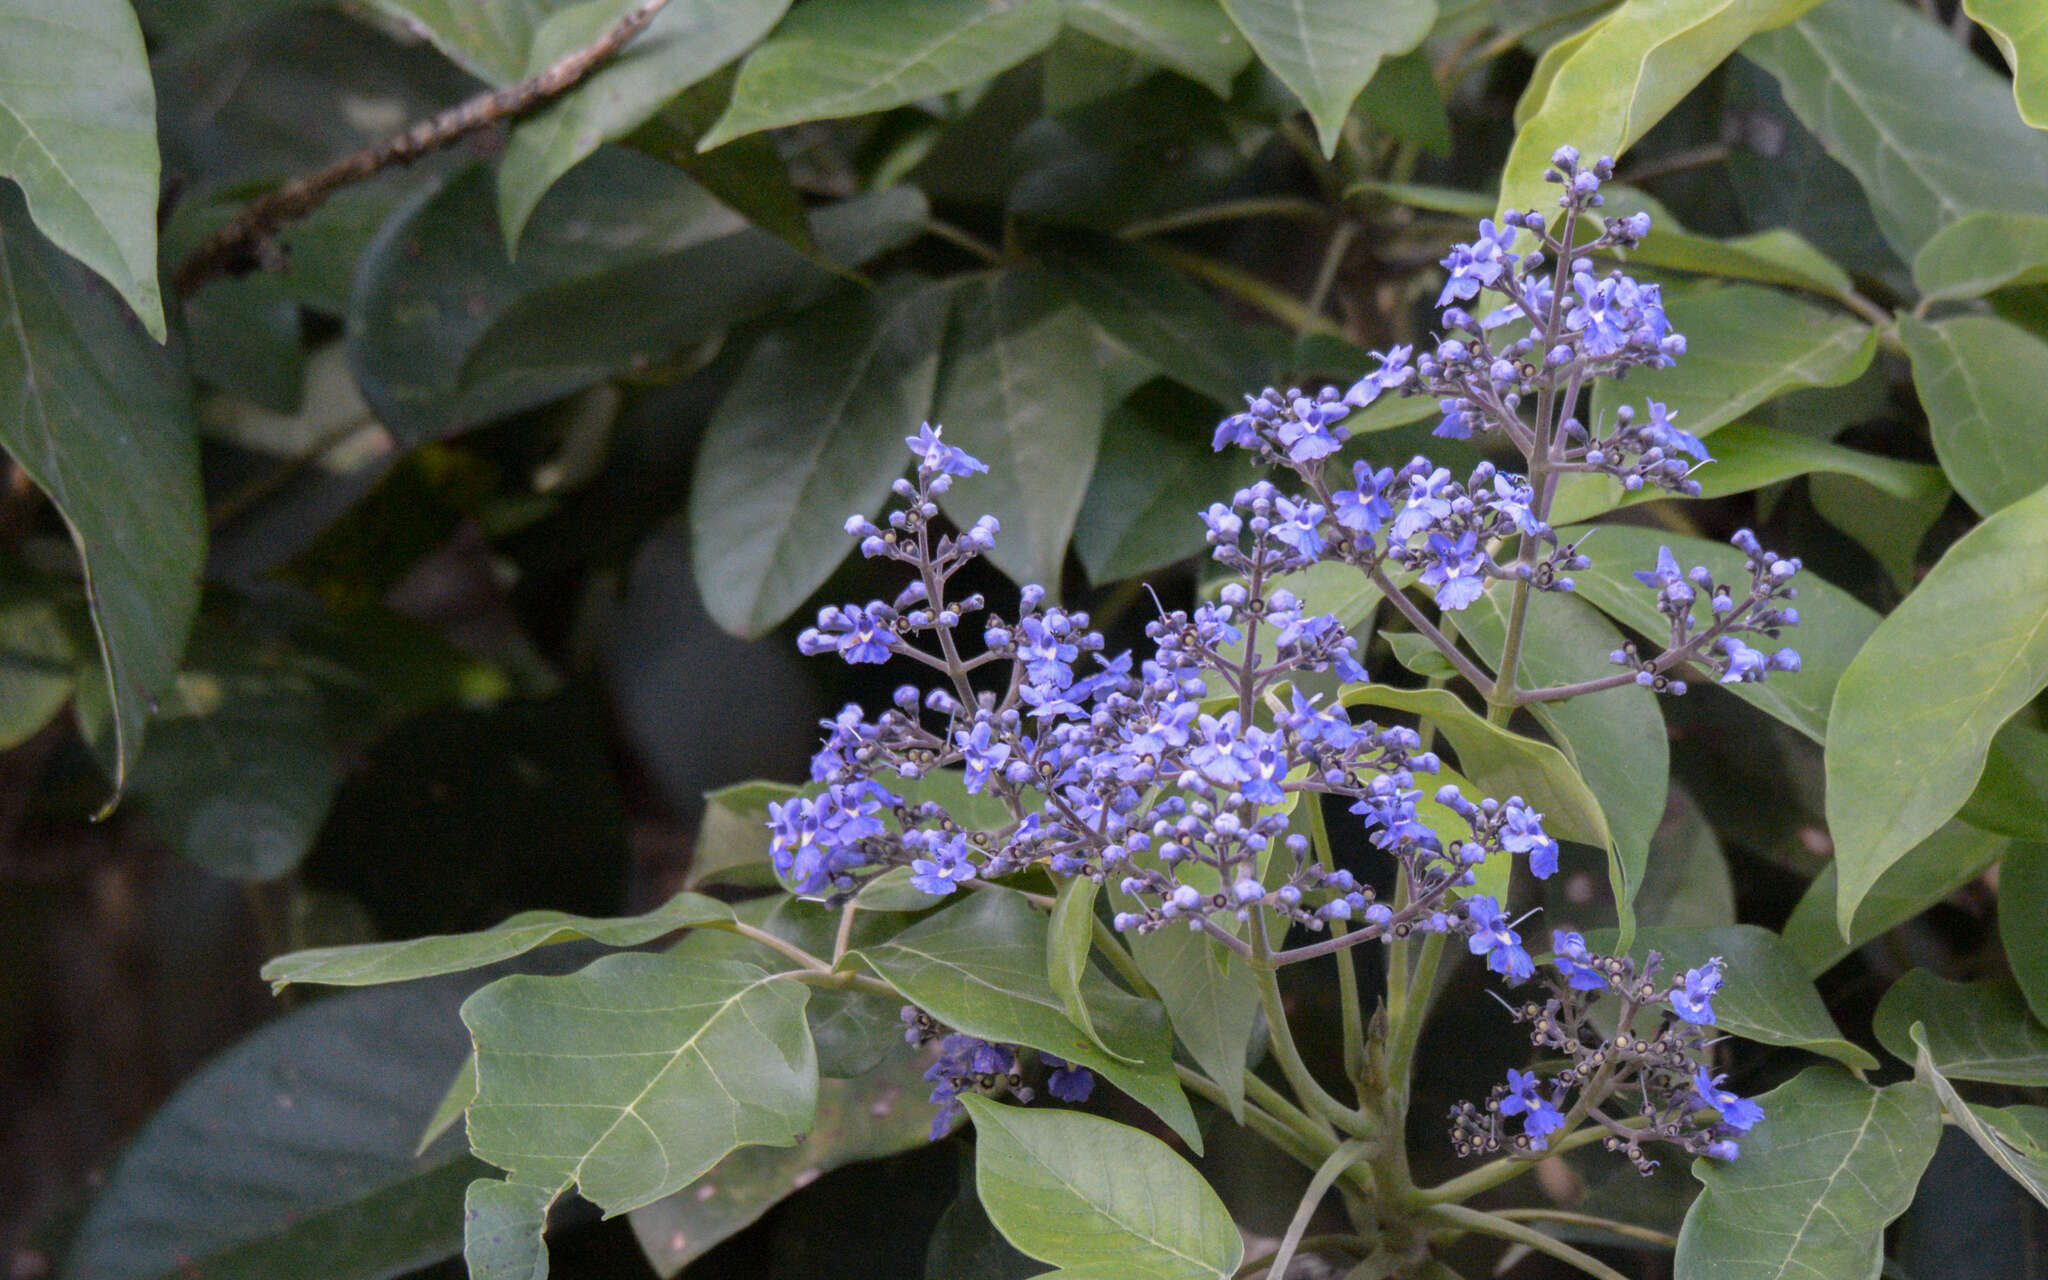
245, 243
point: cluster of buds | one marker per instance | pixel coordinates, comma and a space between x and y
965, 1064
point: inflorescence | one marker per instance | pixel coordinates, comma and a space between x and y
1171, 780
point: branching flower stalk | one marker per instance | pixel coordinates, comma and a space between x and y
1174, 781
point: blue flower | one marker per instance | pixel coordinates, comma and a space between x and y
936, 457
1479, 264
1068, 1083
1745, 665
1692, 998
1298, 527
1393, 372
1540, 1116
1426, 504
1307, 435
1670, 438
1738, 1113
981, 754
1457, 569
1574, 962
1365, 508
1597, 315
945, 870
1501, 945
1522, 832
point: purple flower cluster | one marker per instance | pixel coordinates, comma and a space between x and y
1677, 1097
1762, 609
966, 1064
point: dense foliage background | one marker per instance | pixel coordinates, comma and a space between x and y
437, 557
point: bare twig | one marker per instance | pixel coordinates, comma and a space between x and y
242, 245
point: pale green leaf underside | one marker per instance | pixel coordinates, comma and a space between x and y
1974, 1030
2020, 29
1980, 380
1326, 50
2010, 1145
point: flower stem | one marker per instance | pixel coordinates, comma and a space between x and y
1346, 1155
1280, 1038
1353, 1011
1464, 1219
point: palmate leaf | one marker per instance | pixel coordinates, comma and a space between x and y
1096, 1198
100, 418
979, 966
1831, 1164
857, 56
1914, 714
628, 1081
1326, 50
1607, 90
371, 964
78, 132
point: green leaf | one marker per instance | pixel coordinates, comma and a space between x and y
2022, 908
78, 132
36, 655
269, 1160
1832, 1163
1749, 457
1686, 882
1982, 252
100, 419
437, 279
488, 38
381, 962
747, 174
1500, 762
1402, 98
732, 837
1327, 50
1159, 314
1915, 712
1543, 76
1974, 1030
1096, 1198
876, 1115
979, 966
1744, 346
1622, 78
1766, 997
1018, 389
631, 311
1069, 936
1154, 469
857, 56
1889, 525
2021, 33
1777, 256
768, 506
2010, 1141
1927, 873
1979, 379
1860, 73
633, 1077
1615, 738
685, 42
1833, 625
1193, 37
1211, 998
2012, 796
503, 1222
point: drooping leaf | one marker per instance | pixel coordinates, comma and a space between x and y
1147, 151
2012, 795
1158, 314
1403, 99
1979, 379
1915, 712
2022, 907
748, 174
1778, 256
1211, 998
1615, 738
2021, 33
36, 655
1889, 525
857, 56
78, 133
1629, 70
1860, 73
1973, 1030
1153, 473
488, 38
1326, 50
1832, 1163
1833, 625
1502, 763
2008, 1140
267, 1162
979, 966
634, 1076
1749, 457
1928, 873
768, 506
376, 963
876, 1115
1982, 252
1193, 37
1744, 346
1069, 936
117, 454
1686, 881
685, 42
1766, 996
1097, 1198
1018, 389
